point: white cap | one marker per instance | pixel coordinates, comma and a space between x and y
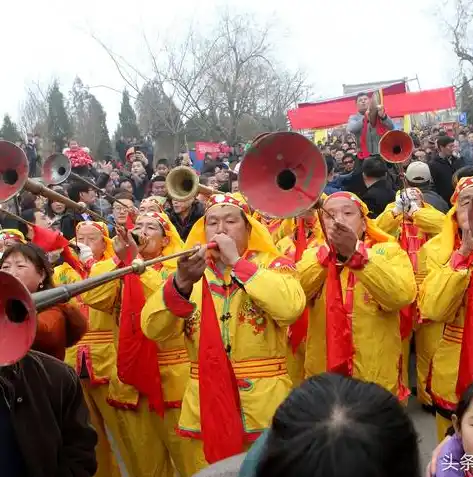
418, 172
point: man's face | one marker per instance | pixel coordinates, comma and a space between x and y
463, 206
181, 206
42, 220
150, 228
420, 155
120, 212
346, 212
148, 205
92, 237
162, 170
348, 163
470, 138
159, 188
207, 157
362, 103
221, 175
461, 137
88, 197
339, 156
227, 220
137, 168
448, 149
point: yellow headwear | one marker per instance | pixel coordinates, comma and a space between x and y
102, 227
259, 240
12, 234
373, 232
444, 242
175, 243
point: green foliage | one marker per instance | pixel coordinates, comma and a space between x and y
59, 123
466, 100
127, 117
9, 130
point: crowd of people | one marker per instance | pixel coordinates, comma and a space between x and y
290, 338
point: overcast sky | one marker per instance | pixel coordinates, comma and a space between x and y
334, 41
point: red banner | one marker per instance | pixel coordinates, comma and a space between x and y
328, 115
201, 148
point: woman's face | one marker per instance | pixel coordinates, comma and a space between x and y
40, 202
24, 270
465, 429
58, 207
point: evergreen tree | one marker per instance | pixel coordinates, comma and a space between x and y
98, 117
9, 130
127, 117
466, 100
59, 124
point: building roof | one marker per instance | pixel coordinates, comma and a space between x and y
357, 88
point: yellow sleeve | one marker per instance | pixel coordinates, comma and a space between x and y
429, 220
104, 297
275, 289
151, 280
163, 316
387, 222
388, 276
312, 274
442, 292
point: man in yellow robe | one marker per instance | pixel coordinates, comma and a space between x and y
147, 417
233, 310
94, 356
446, 296
412, 222
355, 288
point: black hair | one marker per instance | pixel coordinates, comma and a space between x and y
75, 189
158, 179
359, 95
465, 171
333, 426
29, 216
347, 154
374, 167
36, 256
122, 194
163, 161
49, 211
462, 407
27, 200
330, 164
443, 141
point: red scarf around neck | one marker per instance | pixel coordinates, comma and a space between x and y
298, 330
220, 412
137, 357
380, 130
339, 339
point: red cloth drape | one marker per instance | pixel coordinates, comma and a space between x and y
337, 324
137, 357
220, 414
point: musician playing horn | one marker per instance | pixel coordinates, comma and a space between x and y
357, 285
233, 309
368, 125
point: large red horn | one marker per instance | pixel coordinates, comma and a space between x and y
17, 320
396, 146
283, 174
13, 170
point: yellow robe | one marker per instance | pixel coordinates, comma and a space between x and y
427, 333
148, 442
253, 333
442, 298
98, 349
381, 288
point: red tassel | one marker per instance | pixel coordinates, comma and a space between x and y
220, 413
337, 324
137, 359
